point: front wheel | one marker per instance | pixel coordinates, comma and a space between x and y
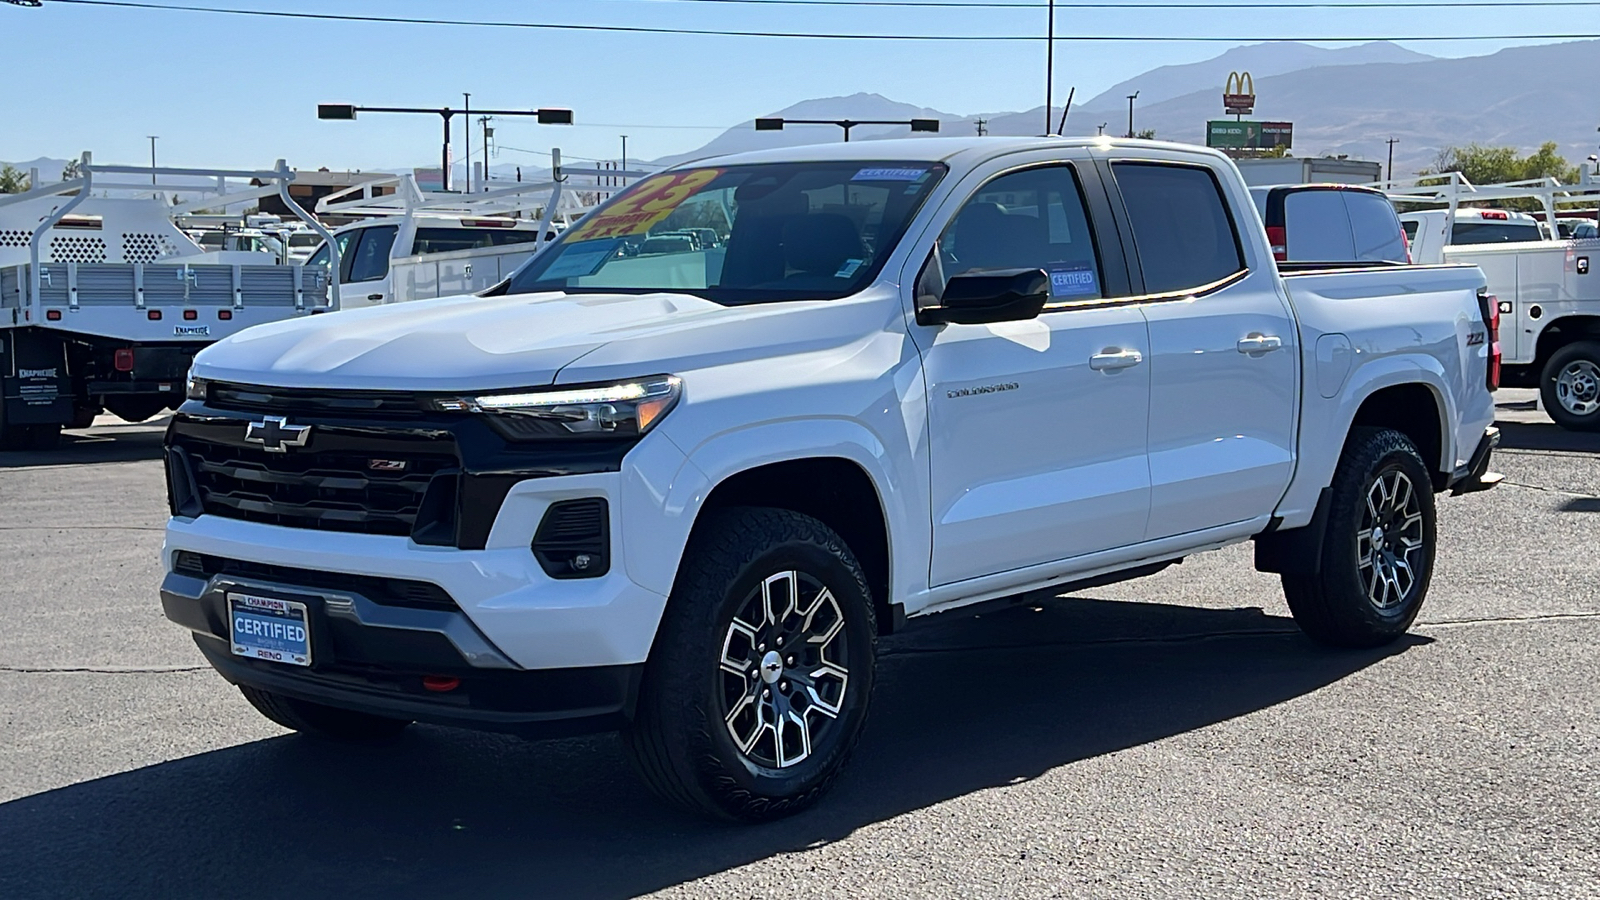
757, 687
1378, 551
1570, 386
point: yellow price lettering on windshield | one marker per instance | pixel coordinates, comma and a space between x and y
647, 203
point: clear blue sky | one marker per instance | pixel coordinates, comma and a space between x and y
234, 91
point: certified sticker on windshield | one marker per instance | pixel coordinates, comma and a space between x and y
1073, 281
889, 174
645, 204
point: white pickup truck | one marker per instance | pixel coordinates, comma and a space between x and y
683, 494
1547, 293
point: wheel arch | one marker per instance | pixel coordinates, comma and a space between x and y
835, 470
1416, 410
1560, 332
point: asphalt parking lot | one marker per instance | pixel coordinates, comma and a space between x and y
1167, 737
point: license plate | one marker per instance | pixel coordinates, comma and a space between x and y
270, 629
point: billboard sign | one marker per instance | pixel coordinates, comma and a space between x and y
1226, 134
1239, 94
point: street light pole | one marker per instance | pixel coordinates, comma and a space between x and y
1391, 142
776, 124
1131, 97
347, 112
152, 138
466, 136
622, 178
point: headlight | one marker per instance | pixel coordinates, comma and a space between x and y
619, 409
195, 388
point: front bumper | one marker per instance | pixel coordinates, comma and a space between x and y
372, 657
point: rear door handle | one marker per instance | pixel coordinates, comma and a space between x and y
1113, 358
1260, 343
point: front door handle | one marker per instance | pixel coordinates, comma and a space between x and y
1115, 358
374, 296
1260, 343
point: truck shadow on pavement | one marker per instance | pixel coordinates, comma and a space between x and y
1546, 436
101, 444
961, 706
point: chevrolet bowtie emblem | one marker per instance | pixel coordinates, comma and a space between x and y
276, 434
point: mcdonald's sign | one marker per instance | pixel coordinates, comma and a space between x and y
1239, 94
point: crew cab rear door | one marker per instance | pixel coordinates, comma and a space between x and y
1036, 428
1223, 344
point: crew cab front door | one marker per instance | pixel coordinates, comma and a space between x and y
1223, 351
1036, 428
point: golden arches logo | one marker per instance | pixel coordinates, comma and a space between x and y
1240, 83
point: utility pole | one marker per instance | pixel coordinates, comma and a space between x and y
152, 138
623, 179
1131, 97
1391, 142
466, 136
1049, 68
983, 128
487, 134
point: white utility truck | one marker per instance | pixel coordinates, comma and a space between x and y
682, 494
411, 245
1548, 293
104, 301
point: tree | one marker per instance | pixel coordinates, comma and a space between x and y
73, 169
12, 181
1148, 134
1483, 164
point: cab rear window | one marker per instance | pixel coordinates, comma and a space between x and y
1495, 232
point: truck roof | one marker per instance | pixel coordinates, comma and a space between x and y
933, 149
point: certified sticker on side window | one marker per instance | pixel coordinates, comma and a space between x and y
1073, 281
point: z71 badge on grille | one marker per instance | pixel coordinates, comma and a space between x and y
276, 434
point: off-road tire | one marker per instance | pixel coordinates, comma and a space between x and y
680, 740
1584, 357
317, 720
1335, 607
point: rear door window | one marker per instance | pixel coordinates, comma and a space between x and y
1181, 227
370, 259
1376, 227
1317, 226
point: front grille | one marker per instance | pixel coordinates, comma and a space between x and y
369, 493
382, 591
282, 401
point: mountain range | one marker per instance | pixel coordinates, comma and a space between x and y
1344, 101
1347, 101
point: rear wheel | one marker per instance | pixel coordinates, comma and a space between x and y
757, 687
1377, 554
1570, 386
321, 721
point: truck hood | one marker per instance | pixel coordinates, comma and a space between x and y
520, 340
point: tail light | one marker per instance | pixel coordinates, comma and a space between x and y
1279, 239
122, 359
1406, 242
1489, 305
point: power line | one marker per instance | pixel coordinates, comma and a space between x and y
642, 29
1091, 4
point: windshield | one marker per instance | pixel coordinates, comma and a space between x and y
740, 234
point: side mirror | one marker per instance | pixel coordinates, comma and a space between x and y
996, 295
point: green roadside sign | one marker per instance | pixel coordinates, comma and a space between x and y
1228, 134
